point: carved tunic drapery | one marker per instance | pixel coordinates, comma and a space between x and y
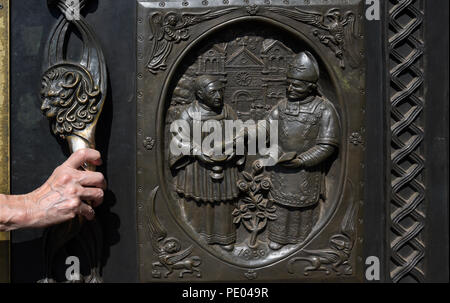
208, 190
311, 130
193, 177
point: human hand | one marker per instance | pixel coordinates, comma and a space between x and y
294, 163
61, 197
288, 159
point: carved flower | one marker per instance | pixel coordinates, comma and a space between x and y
243, 79
257, 167
243, 186
251, 275
252, 9
266, 184
356, 138
149, 143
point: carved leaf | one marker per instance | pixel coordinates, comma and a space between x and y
247, 216
259, 178
263, 204
260, 215
247, 176
271, 209
252, 206
243, 208
258, 198
247, 200
271, 216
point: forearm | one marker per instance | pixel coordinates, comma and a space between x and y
316, 154
60, 198
12, 212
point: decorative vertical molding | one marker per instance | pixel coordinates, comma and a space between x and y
405, 44
4, 129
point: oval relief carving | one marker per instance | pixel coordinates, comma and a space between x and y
239, 207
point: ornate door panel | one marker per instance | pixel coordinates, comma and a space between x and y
266, 223
360, 167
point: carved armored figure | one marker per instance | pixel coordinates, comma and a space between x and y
308, 136
207, 182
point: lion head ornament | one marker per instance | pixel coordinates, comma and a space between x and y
70, 99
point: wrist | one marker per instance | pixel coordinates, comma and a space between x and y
30, 213
13, 214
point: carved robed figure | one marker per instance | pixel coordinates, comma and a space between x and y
309, 134
206, 182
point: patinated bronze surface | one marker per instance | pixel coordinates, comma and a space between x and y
231, 218
405, 141
73, 94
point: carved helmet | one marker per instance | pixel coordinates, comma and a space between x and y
304, 67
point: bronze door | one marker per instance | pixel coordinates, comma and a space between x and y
361, 156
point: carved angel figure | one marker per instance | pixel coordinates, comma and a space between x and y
335, 30
170, 28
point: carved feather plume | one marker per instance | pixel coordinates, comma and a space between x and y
155, 231
176, 257
348, 223
189, 19
315, 19
352, 33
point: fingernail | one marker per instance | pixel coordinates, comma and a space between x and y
91, 213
